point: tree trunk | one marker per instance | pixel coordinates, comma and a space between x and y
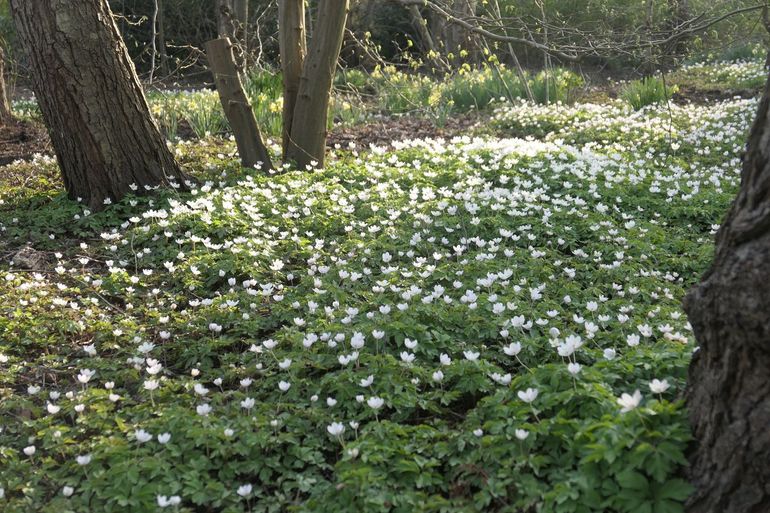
6, 115
428, 46
162, 41
225, 22
728, 395
241, 10
291, 31
91, 100
251, 149
307, 142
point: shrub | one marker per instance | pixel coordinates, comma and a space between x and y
647, 91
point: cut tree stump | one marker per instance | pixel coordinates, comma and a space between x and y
236, 105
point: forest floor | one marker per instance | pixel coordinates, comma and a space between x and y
479, 316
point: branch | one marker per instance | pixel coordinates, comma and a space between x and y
575, 53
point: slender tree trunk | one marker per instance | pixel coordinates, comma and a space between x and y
154, 45
307, 142
6, 114
517, 65
428, 46
236, 105
162, 40
225, 25
241, 10
291, 22
728, 395
91, 100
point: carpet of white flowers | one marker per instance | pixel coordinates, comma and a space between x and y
468, 325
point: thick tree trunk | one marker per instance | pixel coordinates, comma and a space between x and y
307, 142
728, 394
91, 100
236, 105
291, 24
5, 107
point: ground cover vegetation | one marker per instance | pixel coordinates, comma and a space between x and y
482, 323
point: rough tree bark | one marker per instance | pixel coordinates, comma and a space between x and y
307, 140
91, 100
728, 393
236, 105
5, 107
292, 45
232, 22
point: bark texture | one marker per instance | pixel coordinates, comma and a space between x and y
91, 100
307, 140
291, 24
728, 394
5, 107
236, 105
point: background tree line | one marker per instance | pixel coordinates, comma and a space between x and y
183, 26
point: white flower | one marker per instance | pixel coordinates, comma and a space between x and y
284, 364
67, 491
512, 349
521, 434
163, 438
609, 354
471, 356
244, 490
528, 395
200, 389
478, 432
203, 409
52, 408
248, 403
90, 349
629, 402
335, 428
153, 366
368, 381
375, 403
357, 342
84, 459
658, 387
632, 340
445, 359
151, 384
145, 347
574, 368
29, 450
438, 376
142, 436
284, 386
86, 375
407, 357
164, 501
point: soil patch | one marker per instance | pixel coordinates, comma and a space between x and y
692, 95
20, 140
383, 132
